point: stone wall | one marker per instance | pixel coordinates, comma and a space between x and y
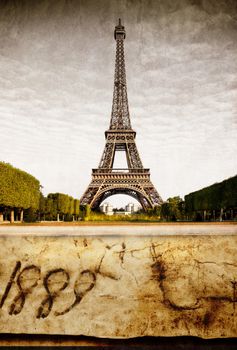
119, 287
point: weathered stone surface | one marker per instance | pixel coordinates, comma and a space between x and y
119, 286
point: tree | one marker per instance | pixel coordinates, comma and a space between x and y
70, 210
76, 210
87, 210
171, 210
58, 205
61, 202
50, 208
19, 190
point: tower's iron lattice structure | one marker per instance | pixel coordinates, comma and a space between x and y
135, 179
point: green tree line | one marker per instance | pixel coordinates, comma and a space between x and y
18, 191
214, 197
21, 199
59, 206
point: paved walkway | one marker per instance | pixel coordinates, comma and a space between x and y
121, 230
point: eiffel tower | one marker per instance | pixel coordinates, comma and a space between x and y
135, 179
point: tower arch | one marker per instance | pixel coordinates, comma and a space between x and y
133, 192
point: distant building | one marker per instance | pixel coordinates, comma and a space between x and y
132, 208
107, 208
129, 209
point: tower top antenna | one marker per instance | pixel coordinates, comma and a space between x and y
119, 31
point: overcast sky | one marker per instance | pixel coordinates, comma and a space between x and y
56, 86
